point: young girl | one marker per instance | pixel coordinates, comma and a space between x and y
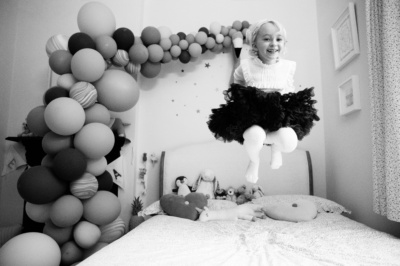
261, 106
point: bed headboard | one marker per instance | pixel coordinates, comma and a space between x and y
229, 162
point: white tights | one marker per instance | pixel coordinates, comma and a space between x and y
282, 140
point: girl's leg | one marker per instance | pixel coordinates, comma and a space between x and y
282, 140
254, 138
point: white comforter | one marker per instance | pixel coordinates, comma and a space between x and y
330, 239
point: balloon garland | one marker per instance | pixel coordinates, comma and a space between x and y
97, 68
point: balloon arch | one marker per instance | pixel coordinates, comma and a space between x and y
97, 69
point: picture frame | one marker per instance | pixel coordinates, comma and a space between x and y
345, 37
349, 96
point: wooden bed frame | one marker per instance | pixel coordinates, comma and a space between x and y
229, 162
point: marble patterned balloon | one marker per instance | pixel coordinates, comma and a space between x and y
84, 93
56, 42
84, 187
112, 231
121, 58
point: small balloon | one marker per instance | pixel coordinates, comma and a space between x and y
35, 121
175, 51
124, 38
53, 143
56, 42
150, 69
97, 113
84, 93
138, 53
121, 58
165, 32
150, 35
156, 53
167, 57
194, 50
174, 39
201, 37
66, 81
66, 211
215, 28
60, 62
184, 57
106, 46
166, 44
54, 93
69, 164
80, 41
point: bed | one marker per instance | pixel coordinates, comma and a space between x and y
329, 239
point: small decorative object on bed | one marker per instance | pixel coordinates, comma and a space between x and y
300, 210
207, 183
135, 220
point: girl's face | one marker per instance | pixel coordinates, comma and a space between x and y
269, 43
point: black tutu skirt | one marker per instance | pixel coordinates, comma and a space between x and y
248, 106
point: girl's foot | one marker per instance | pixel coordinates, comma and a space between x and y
252, 172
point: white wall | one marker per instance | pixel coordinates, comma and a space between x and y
174, 107
348, 138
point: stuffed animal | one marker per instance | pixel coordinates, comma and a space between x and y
206, 183
220, 194
231, 194
257, 192
183, 207
181, 183
243, 195
245, 212
301, 210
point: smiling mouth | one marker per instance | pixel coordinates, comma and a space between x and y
272, 51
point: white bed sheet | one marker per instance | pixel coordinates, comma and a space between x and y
330, 239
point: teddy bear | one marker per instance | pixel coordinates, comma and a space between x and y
243, 195
231, 194
257, 192
207, 183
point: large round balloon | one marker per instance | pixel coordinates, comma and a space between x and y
87, 65
124, 38
96, 19
117, 90
69, 164
38, 185
96, 167
60, 62
35, 121
112, 231
102, 208
94, 140
84, 93
66, 211
53, 143
64, 116
156, 53
33, 249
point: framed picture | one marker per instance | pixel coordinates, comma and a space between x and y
345, 37
349, 96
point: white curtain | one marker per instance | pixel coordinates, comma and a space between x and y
383, 35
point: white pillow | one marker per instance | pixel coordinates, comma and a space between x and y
323, 205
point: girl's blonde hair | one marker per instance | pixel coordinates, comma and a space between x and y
253, 30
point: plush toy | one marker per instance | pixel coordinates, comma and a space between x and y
206, 183
183, 207
182, 188
300, 210
231, 194
257, 192
220, 194
243, 195
245, 212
